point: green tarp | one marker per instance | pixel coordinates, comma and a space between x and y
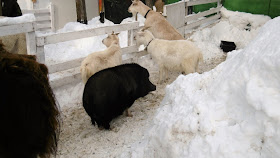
265, 7
170, 1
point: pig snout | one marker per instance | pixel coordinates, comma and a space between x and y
152, 87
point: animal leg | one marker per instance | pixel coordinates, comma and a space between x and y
165, 74
161, 71
103, 124
188, 66
128, 113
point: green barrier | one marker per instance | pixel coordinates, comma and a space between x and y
171, 1
248, 6
204, 7
274, 8
265, 7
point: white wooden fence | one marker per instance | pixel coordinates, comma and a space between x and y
71, 68
44, 18
177, 14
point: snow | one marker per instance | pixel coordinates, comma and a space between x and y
17, 20
230, 111
228, 29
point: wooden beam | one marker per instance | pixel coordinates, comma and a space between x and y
65, 65
43, 26
203, 21
68, 36
1, 8
198, 2
16, 29
52, 17
36, 11
70, 76
81, 11
74, 75
31, 43
202, 14
77, 62
43, 18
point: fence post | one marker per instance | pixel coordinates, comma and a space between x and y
81, 11
129, 38
31, 41
218, 3
51, 7
186, 9
40, 54
0, 7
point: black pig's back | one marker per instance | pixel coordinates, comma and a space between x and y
109, 92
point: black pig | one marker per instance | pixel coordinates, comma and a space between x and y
109, 92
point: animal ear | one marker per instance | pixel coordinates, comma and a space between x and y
145, 28
140, 33
117, 33
135, 1
112, 32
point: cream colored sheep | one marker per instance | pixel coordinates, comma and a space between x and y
15, 44
97, 61
157, 24
173, 55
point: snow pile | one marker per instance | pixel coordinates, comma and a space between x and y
17, 20
231, 111
232, 27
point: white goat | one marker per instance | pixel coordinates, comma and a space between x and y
110, 57
157, 24
173, 55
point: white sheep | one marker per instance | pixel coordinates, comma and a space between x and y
173, 55
156, 23
110, 57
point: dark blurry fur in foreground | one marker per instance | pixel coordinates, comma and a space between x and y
29, 116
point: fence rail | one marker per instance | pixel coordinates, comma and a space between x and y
177, 14
199, 2
44, 18
68, 36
